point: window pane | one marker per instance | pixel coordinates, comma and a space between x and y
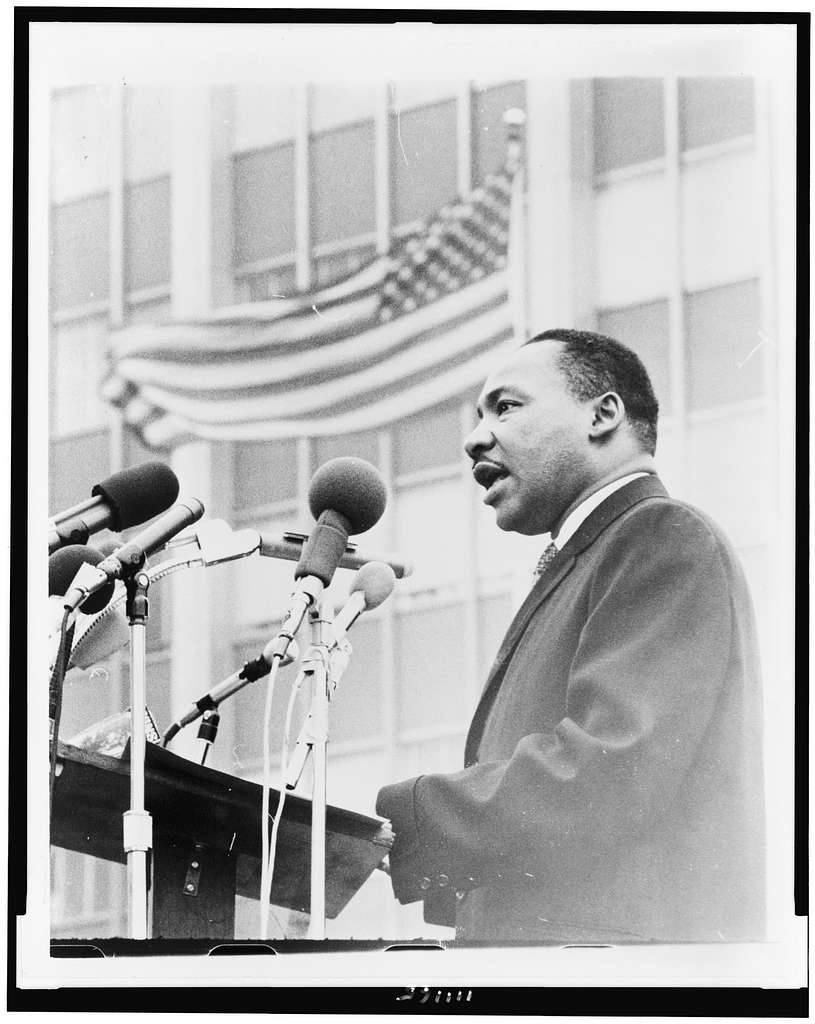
264, 114
78, 362
80, 142
428, 439
723, 213
337, 265
147, 234
277, 283
723, 361
713, 109
80, 248
431, 689
148, 132
336, 103
265, 472
363, 446
264, 203
75, 464
633, 253
423, 160
356, 707
645, 330
489, 130
628, 121
343, 189
429, 521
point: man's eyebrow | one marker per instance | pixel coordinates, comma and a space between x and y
488, 401
491, 397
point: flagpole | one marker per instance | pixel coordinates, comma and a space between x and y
515, 121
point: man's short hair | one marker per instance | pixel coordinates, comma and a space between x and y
593, 364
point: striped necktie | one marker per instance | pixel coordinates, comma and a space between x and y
545, 559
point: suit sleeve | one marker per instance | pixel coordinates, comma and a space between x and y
648, 669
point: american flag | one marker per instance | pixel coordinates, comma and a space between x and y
408, 330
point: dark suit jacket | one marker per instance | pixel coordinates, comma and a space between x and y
612, 787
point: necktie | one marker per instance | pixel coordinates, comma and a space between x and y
545, 559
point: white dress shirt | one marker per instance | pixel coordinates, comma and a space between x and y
588, 505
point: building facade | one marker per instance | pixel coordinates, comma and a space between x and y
650, 213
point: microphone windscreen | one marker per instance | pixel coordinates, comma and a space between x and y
65, 563
324, 548
376, 580
138, 493
352, 487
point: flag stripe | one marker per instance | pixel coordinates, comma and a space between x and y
437, 388
248, 371
309, 398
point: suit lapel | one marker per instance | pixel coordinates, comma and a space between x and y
605, 514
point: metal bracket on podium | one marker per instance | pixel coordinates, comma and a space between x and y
192, 879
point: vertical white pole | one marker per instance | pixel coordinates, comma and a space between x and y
138, 824
321, 618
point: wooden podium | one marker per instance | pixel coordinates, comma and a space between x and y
207, 839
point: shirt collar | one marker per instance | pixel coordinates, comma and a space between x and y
577, 516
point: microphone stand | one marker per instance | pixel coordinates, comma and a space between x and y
321, 616
138, 824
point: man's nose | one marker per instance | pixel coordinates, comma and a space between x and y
479, 440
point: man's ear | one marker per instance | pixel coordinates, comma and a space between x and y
608, 412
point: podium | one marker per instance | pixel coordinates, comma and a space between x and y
207, 838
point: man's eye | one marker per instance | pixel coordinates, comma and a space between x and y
504, 406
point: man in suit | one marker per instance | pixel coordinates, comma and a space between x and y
612, 788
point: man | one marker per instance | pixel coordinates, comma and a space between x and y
612, 789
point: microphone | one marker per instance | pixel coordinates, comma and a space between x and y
290, 546
372, 585
257, 668
217, 542
346, 495
130, 557
64, 564
125, 499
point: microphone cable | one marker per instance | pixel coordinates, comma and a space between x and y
265, 876
66, 635
267, 864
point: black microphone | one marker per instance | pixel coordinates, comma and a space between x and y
346, 495
63, 566
125, 499
130, 557
252, 670
289, 545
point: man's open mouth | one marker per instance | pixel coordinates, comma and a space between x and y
488, 473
